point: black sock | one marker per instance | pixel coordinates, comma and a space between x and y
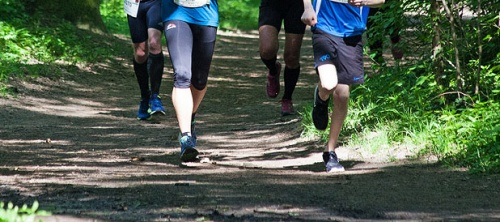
291, 77
185, 134
271, 65
141, 72
193, 117
155, 68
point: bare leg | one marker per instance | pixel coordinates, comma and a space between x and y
197, 97
340, 103
183, 104
268, 42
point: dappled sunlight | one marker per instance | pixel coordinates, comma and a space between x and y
78, 107
37, 141
75, 145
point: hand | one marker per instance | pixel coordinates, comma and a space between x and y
357, 3
309, 17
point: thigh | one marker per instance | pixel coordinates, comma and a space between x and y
154, 15
349, 61
345, 54
269, 14
138, 28
292, 19
203, 50
180, 47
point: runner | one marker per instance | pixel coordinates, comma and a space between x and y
145, 31
337, 26
190, 29
272, 14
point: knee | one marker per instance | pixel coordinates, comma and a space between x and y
140, 56
182, 79
329, 85
200, 79
199, 84
154, 45
292, 61
341, 94
341, 97
266, 53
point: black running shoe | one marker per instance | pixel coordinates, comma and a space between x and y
332, 163
320, 111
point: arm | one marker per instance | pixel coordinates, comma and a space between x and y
370, 3
309, 16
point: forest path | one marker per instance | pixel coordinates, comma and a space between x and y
73, 144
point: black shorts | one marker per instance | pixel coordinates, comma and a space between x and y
148, 16
274, 12
345, 53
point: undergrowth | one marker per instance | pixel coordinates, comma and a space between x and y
11, 213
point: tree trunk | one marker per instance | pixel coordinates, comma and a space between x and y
84, 14
436, 43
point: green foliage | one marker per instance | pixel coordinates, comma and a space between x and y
35, 45
11, 213
241, 15
470, 138
114, 16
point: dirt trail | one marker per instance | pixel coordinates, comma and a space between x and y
74, 145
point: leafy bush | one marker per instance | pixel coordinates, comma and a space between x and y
114, 17
242, 15
11, 213
36, 45
470, 138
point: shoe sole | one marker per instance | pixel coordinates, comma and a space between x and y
158, 112
336, 170
145, 119
189, 155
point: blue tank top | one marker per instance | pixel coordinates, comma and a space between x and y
338, 18
207, 15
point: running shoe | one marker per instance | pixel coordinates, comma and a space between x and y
143, 113
286, 107
156, 105
320, 111
188, 152
332, 163
273, 82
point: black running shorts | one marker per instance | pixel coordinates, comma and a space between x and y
274, 12
345, 53
148, 16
